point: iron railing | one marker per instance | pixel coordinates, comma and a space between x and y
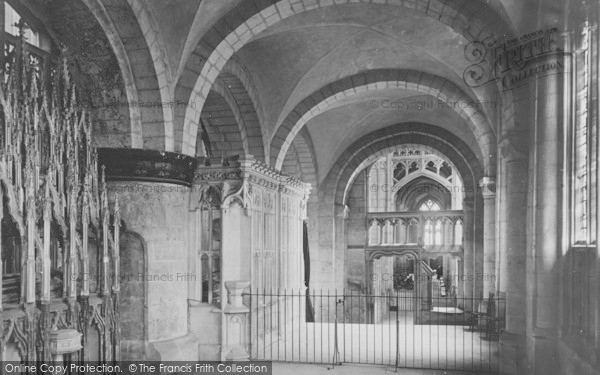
398, 329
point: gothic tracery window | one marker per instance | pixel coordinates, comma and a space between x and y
210, 233
431, 167
13, 23
445, 170
414, 166
399, 171
429, 205
25, 45
428, 239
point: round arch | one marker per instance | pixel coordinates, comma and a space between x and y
117, 24
249, 94
154, 38
439, 88
419, 190
413, 176
122, 23
365, 151
303, 152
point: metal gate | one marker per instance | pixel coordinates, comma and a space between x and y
398, 329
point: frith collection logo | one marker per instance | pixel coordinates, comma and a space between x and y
514, 62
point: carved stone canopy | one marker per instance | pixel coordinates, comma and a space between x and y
237, 178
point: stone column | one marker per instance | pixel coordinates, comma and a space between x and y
313, 228
488, 190
235, 246
153, 199
341, 246
469, 256
323, 262
513, 261
545, 248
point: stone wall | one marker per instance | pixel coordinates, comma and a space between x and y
158, 212
96, 71
571, 360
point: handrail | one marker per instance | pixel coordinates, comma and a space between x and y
411, 214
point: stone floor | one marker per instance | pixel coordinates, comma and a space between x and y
420, 346
312, 369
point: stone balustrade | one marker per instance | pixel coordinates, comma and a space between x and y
429, 229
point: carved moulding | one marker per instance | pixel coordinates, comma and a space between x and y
241, 181
126, 164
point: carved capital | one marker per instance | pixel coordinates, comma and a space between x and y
488, 187
514, 144
230, 196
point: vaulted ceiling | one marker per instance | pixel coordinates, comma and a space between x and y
332, 71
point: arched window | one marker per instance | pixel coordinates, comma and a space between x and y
428, 233
35, 53
431, 167
438, 233
429, 205
414, 166
209, 250
445, 170
413, 231
13, 23
399, 171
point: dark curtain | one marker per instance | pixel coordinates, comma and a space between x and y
310, 312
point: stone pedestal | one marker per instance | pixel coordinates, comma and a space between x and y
236, 324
